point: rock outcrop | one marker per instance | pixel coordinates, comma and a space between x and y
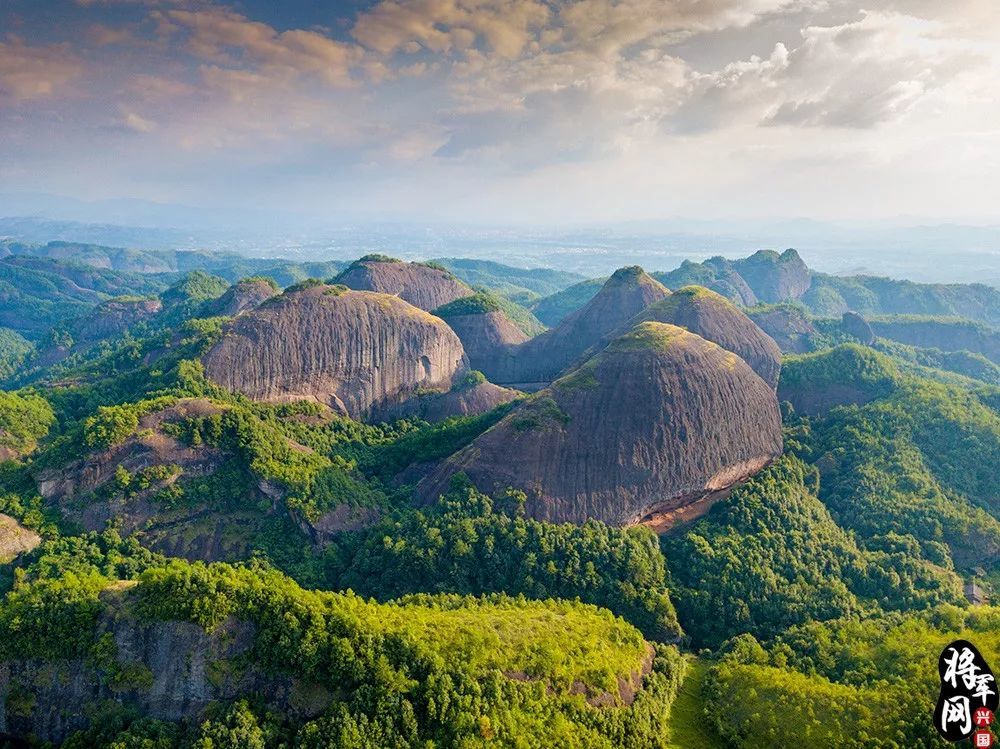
89, 491
857, 327
15, 539
489, 337
473, 399
113, 317
787, 325
765, 276
657, 420
165, 670
716, 319
946, 334
242, 297
424, 286
543, 358
356, 351
773, 277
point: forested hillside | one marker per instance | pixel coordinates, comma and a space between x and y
230, 516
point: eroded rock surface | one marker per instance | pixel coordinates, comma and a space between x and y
657, 420
355, 351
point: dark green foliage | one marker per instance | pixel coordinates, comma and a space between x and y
552, 309
964, 363
182, 300
14, 349
770, 557
829, 296
507, 280
464, 545
918, 465
38, 293
849, 373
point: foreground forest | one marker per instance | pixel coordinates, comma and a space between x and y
255, 503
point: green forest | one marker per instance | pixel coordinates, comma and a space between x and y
160, 519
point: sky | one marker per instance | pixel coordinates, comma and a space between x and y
508, 112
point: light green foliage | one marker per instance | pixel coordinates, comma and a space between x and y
25, 418
844, 683
467, 544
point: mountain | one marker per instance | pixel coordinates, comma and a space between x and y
424, 286
698, 421
36, 294
716, 319
356, 351
787, 324
242, 297
540, 360
552, 309
488, 335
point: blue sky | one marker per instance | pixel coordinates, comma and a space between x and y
508, 111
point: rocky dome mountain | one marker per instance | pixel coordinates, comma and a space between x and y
425, 286
716, 319
658, 420
488, 335
765, 276
353, 350
541, 359
241, 297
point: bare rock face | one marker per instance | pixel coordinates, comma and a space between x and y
716, 319
787, 325
242, 297
490, 340
773, 277
15, 539
658, 420
466, 401
177, 670
544, 357
113, 317
355, 351
423, 286
856, 326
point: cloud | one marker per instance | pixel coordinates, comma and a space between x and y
505, 27
28, 73
226, 37
857, 75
